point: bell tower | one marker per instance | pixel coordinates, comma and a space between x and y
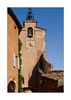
33, 45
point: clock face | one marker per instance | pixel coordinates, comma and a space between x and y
30, 44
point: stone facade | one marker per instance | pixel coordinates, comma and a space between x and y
35, 66
12, 51
32, 48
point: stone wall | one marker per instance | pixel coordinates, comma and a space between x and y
12, 41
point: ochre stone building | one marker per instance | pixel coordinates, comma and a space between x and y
37, 73
13, 29
33, 45
35, 69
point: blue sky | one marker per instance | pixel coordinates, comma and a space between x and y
52, 19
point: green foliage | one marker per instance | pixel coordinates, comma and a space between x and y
19, 81
19, 45
19, 71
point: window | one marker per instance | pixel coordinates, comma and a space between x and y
30, 32
14, 60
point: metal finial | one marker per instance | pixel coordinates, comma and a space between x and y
30, 14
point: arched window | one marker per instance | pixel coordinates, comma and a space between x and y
30, 32
11, 86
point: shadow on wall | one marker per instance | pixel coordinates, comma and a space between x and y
39, 83
35, 79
